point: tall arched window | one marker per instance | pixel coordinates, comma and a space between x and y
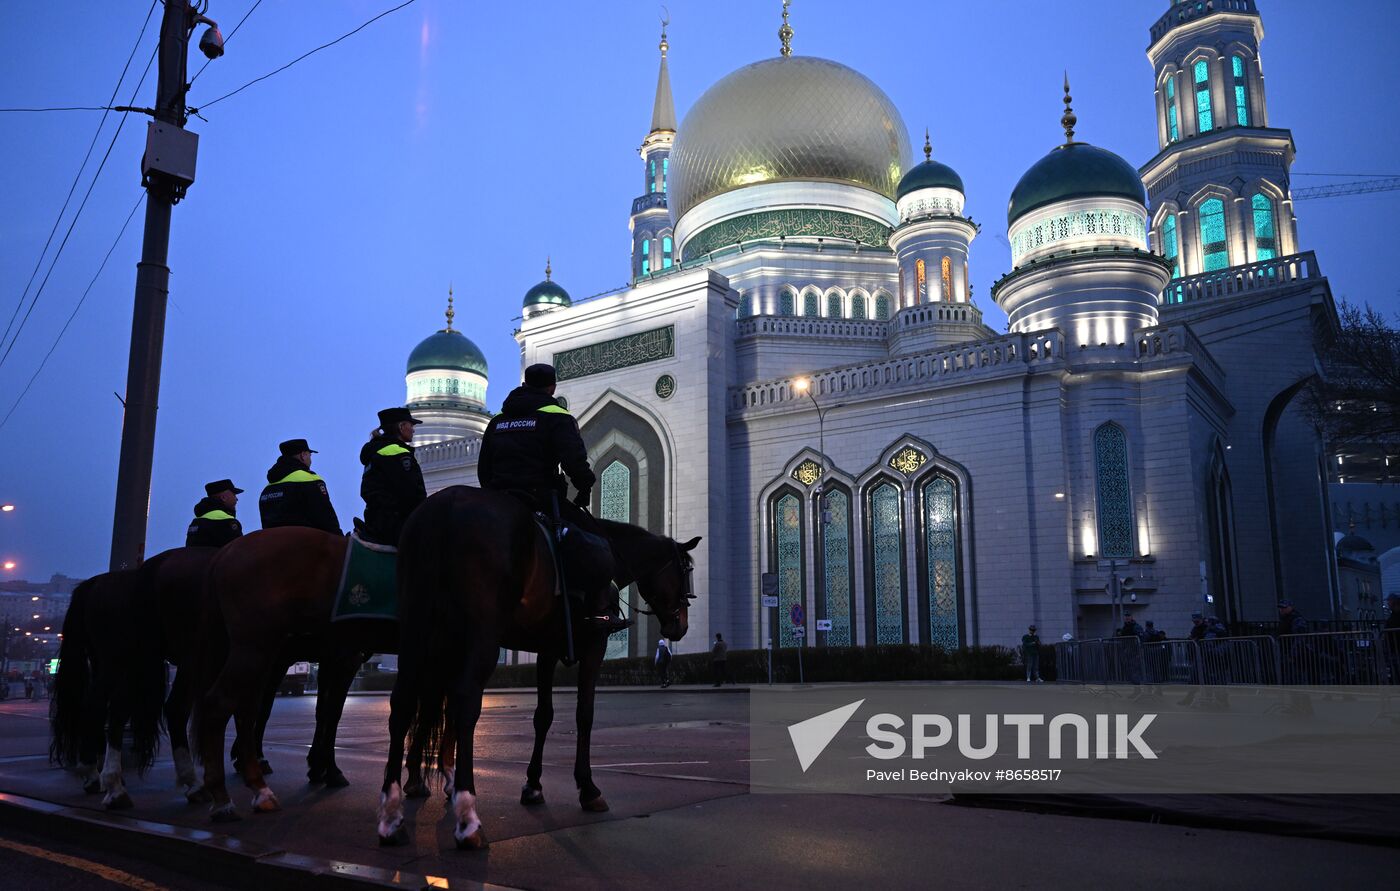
1204, 120
882, 307
651, 176
809, 304
745, 305
1265, 235
666, 260
886, 549
835, 526
921, 283
947, 278
785, 303
833, 306
1215, 249
858, 306
942, 577
1115, 500
1171, 245
646, 256
615, 503
1173, 131
665, 174
1241, 93
786, 522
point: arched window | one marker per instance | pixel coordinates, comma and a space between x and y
947, 279
836, 563
665, 174
809, 304
666, 261
882, 307
921, 283
1215, 250
1265, 236
858, 306
1115, 498
646, 256
785, 304
615, 503
1173, 132
745, 306
1171, 245
833, 306
785, 520
1241, 93
1204, 120
651, 176
886, 548
942, 576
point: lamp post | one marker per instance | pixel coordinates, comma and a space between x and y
804, 386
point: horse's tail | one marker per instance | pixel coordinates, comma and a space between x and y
145, 678
72, 682
211, 649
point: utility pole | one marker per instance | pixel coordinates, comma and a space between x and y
167, 170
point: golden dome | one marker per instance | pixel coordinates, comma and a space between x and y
795, 118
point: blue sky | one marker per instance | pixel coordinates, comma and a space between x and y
461, 143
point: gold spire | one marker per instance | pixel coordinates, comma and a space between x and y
665, 20
1069, 120
547, 270
451, 313
928, 147
785, 32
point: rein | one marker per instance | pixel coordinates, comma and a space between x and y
687, 567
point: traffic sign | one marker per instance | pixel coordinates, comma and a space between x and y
823, 624
799, 632
799, 615
770, 600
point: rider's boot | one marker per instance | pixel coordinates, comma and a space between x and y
604, 612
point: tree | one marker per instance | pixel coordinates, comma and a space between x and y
1356, 398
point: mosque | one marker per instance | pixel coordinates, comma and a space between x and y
799, 372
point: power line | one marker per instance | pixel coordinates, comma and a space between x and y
67, 108
226, 40
73, 314
1336, 190
79, 175
34, 301
302, 56
1376, 175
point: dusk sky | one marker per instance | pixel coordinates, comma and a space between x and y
455, 142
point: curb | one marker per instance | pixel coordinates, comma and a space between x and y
195, 851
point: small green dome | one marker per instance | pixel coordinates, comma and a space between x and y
1074, 170
930, 175
546, 293
447, 350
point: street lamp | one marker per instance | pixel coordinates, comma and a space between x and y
7, 508
9, 564
804, 386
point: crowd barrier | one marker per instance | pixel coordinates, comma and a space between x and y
1335, 657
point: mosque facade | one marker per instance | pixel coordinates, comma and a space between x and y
799, 373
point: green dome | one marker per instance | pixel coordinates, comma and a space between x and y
546, 293
1074, 170
447, 350
930, 175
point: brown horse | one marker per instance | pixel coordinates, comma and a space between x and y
476, 574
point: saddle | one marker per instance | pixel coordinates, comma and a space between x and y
368, 584
585, 559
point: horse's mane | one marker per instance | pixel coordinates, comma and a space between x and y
619, 531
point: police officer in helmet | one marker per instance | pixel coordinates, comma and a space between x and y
294, 496
215, 517
392, 485
524, 448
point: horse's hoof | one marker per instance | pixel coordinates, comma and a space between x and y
474, 842
198, 795
335, 779
531, 795
316, 775
265, 802
395, 839
415, 789
596, 806
119, 803
224, 814
92, 787
265, 767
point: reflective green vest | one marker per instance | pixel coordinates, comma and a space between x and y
299, 476
554, 410
216, 515
392, 449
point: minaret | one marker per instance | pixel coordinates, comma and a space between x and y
1219, 187
652, 245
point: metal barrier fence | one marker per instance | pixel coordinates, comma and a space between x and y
1334, 657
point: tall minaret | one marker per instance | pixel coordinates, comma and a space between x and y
1219, 187
652, 245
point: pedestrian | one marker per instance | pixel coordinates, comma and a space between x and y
1215, 628
1130, 628
663, 662
719, 661
1392, 622
28, 689
215, 517
1290, 621
1030, 654
1198, 627
1152, 635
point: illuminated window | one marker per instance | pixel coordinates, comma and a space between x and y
885, 547
1114, 496
1241, 94
1215, 251
836, 567
651, 177
785, 521
1204, 121
615, 503
1173, 132
745, 306
947, 279
939, 519
882, 307
646, 256
665, 174
666, 252
920, 283
1171, 245
785, 301
1265, 237
809, 304
833, 306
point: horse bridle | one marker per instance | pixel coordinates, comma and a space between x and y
687, 567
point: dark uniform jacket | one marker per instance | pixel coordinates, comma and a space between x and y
295, 496
525, 445
392, 486
214, 525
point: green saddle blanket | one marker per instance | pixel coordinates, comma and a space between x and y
368, 587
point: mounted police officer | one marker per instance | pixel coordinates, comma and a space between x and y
522, 451
215, 517
392, 485
294, 496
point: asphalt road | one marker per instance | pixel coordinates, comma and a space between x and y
673, 766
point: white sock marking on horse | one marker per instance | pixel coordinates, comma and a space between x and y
464, 807
266, 799
390, 811
449, 787
184, 767
112, 776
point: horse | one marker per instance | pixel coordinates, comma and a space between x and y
475, 574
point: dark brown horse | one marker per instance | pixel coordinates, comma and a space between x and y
476, 574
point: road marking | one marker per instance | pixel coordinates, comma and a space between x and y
649, 763
110, 873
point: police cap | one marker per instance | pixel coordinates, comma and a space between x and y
295, 447
218, 486
541, 375
390, 418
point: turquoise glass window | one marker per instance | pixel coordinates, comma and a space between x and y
651, 177
1204, 120
665, 173
887, 564
1171, 244
785, 304
809, 304
646, 256
940, 521
882, 308
1114, 496
1241, 94
666, 256
833, 306
1265, 237
857, 307
1173, 131
1215, 251
615, 503
787, 551
745, 306
836, 568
